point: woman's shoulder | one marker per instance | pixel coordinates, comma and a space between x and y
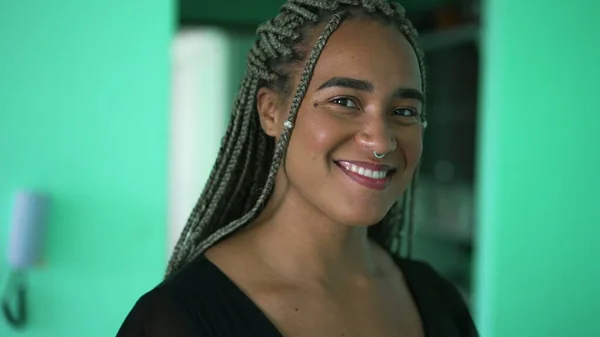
432, 291
420, 271
179, 302
426, 283
157, 313
199, 279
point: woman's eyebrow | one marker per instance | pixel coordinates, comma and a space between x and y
346, 82
410, 93
362, 85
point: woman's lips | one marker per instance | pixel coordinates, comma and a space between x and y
370, 175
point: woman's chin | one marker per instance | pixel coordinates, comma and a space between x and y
361, 219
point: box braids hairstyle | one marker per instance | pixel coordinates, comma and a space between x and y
243, 175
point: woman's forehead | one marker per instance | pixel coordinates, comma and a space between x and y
368, 50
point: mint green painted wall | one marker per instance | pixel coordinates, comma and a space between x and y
84, 102
539, 243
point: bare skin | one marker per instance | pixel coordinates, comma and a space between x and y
306, 261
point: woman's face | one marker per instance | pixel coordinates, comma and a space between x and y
364, 96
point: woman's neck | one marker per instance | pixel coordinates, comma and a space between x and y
299, 242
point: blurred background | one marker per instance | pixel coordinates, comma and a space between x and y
111, 115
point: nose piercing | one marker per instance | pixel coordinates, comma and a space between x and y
379, 156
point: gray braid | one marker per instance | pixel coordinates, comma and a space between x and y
239, 184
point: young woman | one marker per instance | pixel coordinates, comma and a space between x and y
296, 231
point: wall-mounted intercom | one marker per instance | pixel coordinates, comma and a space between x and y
27, 232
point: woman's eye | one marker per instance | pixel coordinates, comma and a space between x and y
345, 102
405, 112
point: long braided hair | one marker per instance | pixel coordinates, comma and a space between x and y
243, 175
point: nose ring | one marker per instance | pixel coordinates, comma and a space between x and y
378, 155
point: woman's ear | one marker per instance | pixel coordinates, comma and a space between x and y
268, 106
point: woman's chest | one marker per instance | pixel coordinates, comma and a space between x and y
380, 312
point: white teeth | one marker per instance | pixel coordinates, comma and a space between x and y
363, 171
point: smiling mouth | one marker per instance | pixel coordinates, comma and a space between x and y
372, 176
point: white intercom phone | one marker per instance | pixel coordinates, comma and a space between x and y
26, 238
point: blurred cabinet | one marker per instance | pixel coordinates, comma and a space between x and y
243, 13
445, 196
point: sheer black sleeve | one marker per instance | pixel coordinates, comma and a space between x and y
443, 309
457, 308
157, 314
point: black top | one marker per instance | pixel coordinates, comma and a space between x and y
201, 301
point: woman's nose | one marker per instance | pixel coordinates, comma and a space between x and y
376, 135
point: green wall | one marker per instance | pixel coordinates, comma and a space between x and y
84, 88
539, 246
